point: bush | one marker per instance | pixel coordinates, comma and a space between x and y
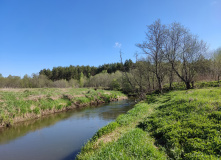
60, 84
73, 83
115, 85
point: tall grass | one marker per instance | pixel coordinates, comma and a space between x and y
21, 102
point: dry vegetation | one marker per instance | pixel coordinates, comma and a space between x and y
22, 104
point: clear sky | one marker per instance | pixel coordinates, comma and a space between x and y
38, 34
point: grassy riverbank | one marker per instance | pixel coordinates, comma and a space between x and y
23, 104
175, 125
122, 139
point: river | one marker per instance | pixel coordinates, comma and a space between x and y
59, 136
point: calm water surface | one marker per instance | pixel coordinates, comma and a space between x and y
59, 136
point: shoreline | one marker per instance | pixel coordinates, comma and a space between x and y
65, 109
66, 102
154, 127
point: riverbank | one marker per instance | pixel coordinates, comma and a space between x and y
17, 105
174, 125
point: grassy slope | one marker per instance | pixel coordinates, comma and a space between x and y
122, 139
20, 104
182, 124
187, 123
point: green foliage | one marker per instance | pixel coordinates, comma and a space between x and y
200, 156
74, 72
200, 84
151, 98
81, 81
105, 80
207, 84
187, 124
175, 86
115, 85
126, 87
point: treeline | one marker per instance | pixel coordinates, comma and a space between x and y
74, 72
104, 76
137, 78
103, 80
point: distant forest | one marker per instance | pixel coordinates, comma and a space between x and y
75, 72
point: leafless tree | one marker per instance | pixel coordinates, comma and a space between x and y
183, 49
216, 65
153, 47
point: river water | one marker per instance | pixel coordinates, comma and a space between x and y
59, 136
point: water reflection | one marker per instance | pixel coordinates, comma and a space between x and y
21, 129
58, 136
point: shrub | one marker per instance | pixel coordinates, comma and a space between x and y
60, 84
115, 85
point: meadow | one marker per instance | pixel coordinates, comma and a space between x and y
23, 104
174, 125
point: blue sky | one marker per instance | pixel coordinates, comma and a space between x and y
38, 34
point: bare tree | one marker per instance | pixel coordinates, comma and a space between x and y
153, 47
136, 77
216, 65
183, 49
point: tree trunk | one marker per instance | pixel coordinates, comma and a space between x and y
187, 85
159, 84
171, 79
153, 82
192, 84
149, 86
170, 85
218, 81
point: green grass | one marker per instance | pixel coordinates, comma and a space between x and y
123, 140
20, 102
134, 144
197, 85
187, 123
175, 125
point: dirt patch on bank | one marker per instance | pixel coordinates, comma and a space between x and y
12, 89
35, 97
30, 116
